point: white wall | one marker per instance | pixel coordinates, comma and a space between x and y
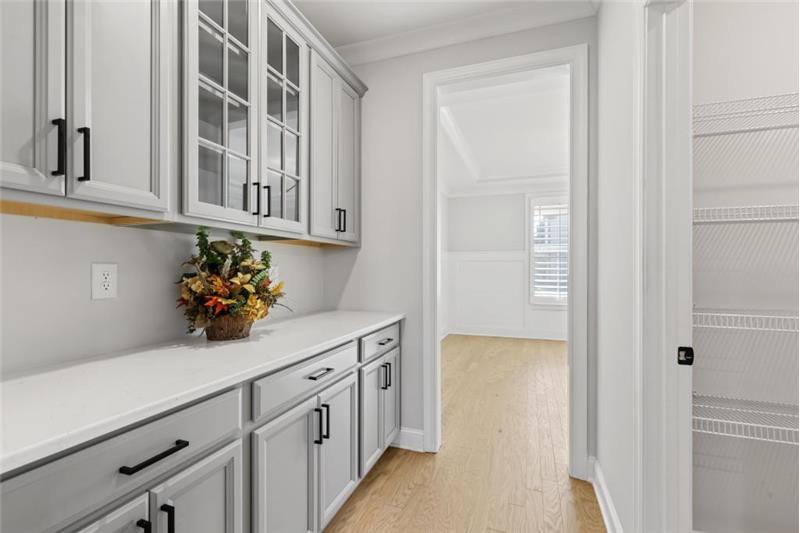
487, 271
386, 272
744, 49
617, 95
48, 316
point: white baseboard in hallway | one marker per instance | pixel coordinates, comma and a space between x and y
410, 439
610, 517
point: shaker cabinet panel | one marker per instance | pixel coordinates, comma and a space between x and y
338, 454
118, 143
348, 163
284, 471
133, 517
324, 198
335, 154
204, 498
32, 114
391, 394
372, 376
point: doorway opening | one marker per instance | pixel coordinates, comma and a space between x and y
505, 238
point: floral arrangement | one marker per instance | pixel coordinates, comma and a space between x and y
227, 285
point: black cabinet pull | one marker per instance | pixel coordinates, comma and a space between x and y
344, 217
327, 433
269, 201
389, 375
319, 419
87, 154
385, 341
257, 184
319, 374
385, 384
146, 526
131, 470
338, 220
170, 510
62, 146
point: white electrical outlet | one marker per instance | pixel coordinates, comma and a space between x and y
104, 281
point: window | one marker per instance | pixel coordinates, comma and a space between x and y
549, 251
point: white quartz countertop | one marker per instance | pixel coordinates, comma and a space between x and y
54, 410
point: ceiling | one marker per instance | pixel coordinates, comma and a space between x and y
347, 22
512, 134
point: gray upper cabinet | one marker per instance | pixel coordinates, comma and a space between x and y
108, 142
338, 454
32, 92
284, 466
118, 112
335, 154
133, 517
206, 497
221, 73
284, 134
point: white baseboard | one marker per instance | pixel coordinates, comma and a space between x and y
410, 439
506, 332
610, 517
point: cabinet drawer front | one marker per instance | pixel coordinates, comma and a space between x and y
60, 492
276, 392
380, 342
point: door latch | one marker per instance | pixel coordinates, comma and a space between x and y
685, 355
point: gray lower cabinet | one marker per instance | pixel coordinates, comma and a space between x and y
206, 497
371, 419
305, 462
391, 397
133, 517
338, 453
380, 407
284, 464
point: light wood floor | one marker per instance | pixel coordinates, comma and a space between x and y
503, 463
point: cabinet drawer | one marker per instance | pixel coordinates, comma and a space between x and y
380, 342
60, 492
276, 392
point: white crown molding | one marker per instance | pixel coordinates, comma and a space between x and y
531, 15
537, 186
460, 143
558, 173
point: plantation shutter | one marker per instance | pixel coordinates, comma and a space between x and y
549, 253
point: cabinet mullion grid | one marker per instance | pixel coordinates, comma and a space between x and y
227, 96
282, 78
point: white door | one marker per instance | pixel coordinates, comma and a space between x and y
120, 75
372, 381
220, 80
204, 498
32, 96
133, 517
348, 163
391, 396
338, 454
284, 471
324, 133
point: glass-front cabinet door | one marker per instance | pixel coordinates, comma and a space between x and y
221, 84
284, 119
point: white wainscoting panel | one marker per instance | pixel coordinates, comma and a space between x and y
487, 294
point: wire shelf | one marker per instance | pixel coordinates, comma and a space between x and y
746, 419
742, 116
745, 322
755, 213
